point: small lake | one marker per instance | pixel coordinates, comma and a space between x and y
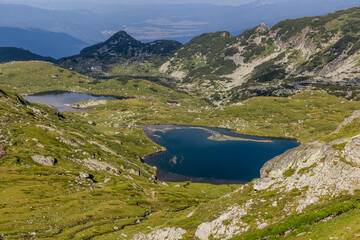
211, 155
58, 99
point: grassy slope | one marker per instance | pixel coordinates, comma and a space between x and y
53, 202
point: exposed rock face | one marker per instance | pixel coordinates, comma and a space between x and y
96, 165
219, 230
321, 168
161, 234
44, 160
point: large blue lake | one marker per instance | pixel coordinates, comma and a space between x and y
211, 155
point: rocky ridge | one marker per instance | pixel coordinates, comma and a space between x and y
272, 61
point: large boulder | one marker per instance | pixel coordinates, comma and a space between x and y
44, 160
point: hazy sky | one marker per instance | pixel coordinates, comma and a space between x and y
218, 2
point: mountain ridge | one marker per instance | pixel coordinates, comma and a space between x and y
9, 54
41, 42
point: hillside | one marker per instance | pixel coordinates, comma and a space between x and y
121, 47
45, 43
65, 179
316, 52
9, 54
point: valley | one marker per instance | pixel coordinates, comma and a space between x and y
83, 173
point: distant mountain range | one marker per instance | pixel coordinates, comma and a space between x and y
93, 22
41, 42
9, 54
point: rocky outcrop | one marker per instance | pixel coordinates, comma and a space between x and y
84, 175
320, 168
262, 28
161, 234
219, 230
96, 165
44, 160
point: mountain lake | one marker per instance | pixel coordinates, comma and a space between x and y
211, 155
61, 99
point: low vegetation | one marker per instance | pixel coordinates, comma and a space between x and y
81, 176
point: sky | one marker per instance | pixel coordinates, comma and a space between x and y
217, 2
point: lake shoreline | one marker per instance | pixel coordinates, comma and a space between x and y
64, 101
57, 91
227, 129
210, 167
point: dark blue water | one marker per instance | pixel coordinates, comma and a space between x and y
191, 156
59, 98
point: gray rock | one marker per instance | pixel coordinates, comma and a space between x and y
44, 160
134, 172
84, 175
318, 167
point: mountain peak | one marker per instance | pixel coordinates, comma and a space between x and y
119, 47
121, 35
